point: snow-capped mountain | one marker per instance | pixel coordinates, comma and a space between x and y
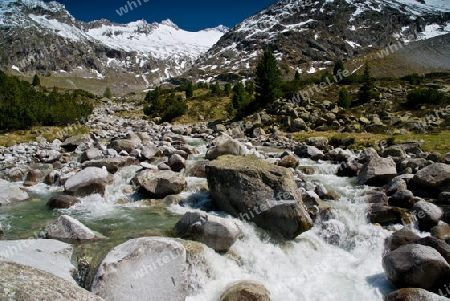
308, 35
45, 37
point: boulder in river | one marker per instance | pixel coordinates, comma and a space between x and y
68, 228
225, 145
377, 171
215, 232
10, 193
427, 214
159, 183
434, 178
49, 255
62, 201
25, 283
111, 164
154, 267
88, 181
71, 143
400, 238
256, 191
416, 265
246, 290
414, 294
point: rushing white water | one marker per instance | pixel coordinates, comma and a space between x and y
339, 259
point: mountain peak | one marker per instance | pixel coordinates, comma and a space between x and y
169, 22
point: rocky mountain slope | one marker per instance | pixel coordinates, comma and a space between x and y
309, 36
46, 38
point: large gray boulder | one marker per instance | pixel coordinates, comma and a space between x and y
434, 178
415, 265
256, 191
153, 268
414, 294
377, 171
68, 228
51, 256
225, 145
215, 232
25, 283
427, 214
159, 183
88, 181
10, 193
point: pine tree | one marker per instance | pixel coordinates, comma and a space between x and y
189, 90
107, 93
36, 81
239, 96
250, 87
367, 91
268, 79
338, 65
344, 98
227, 89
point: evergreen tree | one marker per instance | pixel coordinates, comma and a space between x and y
268, 79
36, 81
189, 90
338, 65
250, 87
107, 93
297, 77
367, 91
227, 89
153, 95
239, 96
344, 98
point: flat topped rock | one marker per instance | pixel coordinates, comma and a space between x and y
10, 193
26, 283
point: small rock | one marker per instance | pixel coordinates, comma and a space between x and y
62, 201
246, 290
68, 228
428, 215
215, 232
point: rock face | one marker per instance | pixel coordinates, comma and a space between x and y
256, 191
159, 184
10, 193
62, 201
246, 290
51, 256
152, 267
377, 171
434, 178
413, 294
416, 266
66, 227
21, 282
88, 181
225, 145
215, 232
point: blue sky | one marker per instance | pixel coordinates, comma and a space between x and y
188, 15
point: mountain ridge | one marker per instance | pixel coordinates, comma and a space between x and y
149, 51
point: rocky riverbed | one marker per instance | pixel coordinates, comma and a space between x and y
222, 194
